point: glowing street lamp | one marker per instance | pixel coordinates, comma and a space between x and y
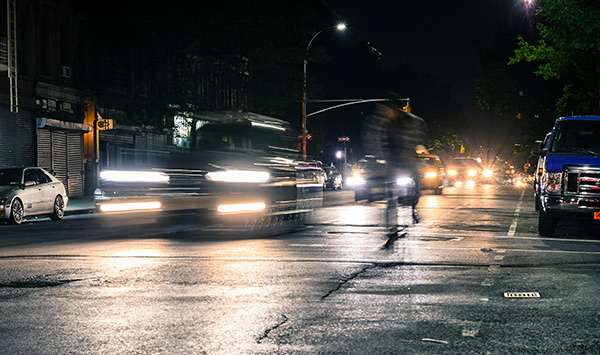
340, 27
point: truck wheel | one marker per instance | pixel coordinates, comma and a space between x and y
546, 224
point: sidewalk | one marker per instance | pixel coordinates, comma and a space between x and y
80, 205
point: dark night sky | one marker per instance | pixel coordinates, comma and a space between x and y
440, 38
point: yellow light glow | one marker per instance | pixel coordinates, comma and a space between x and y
247, 176
458, 184
130, 206
431, 175
488, 173
242, 207
470, 184
355, 181
472, 173
133, 176
451, 172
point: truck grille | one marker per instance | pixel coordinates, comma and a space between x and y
583, 181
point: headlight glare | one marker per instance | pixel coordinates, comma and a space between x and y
472, 172
451, 172
405, 181
242, 176
488, 173
431, 174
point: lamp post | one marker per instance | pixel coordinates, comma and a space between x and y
339, 27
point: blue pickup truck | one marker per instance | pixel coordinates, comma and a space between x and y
570, 179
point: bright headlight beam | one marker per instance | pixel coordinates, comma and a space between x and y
431, 175
242, 176
472, 173
242, 207
404, 181
133, 176
452, 172
355, 181
488, 173
130, 206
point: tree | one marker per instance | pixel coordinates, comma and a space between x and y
568, 50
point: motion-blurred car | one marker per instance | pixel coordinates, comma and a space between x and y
371, 182
467, 172
241, 167
334, 178
28, 192
431, 173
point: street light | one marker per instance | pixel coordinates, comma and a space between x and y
339, 27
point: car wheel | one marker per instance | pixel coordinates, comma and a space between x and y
546, 224
16, 212
58, 212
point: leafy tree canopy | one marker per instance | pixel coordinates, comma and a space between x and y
568, 50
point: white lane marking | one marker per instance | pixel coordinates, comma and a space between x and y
513, 226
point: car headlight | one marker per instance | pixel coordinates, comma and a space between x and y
405, 181
431, 175
242, 176
134, 176
553, 181
451, 172
472, 173
355, 180
488, 173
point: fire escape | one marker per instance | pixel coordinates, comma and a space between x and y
11, 54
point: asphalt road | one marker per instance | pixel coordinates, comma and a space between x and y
89, 285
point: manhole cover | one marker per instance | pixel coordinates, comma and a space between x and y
521, 294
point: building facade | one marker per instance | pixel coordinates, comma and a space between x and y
63, 76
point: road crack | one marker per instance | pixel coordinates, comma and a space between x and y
269, 330
348, 279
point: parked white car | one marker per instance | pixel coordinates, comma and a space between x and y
28, 192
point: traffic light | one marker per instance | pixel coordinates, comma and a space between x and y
462, 149
106, 124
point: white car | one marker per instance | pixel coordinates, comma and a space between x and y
27, 192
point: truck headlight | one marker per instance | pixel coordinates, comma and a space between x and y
553, 181
472, 173
488, 173
431, 175
242, 176
451, 172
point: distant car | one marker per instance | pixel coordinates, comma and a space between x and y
467, 172
431, 173
334, 178
27, 192
371, 182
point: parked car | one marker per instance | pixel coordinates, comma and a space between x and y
570, 180
431, 173
334, 178
28, 192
